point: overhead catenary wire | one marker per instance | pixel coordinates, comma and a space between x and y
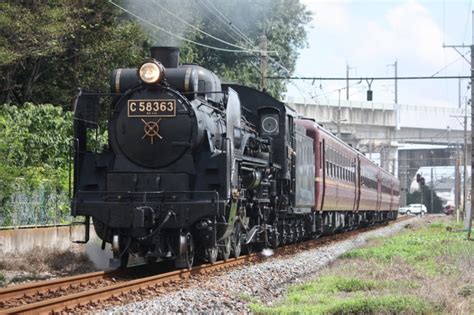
207, 34
335, 90
225, 20
368, 78
449, 64
205, 10
176, 35
467, 21
229, 22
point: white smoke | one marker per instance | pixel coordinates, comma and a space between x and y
216, 17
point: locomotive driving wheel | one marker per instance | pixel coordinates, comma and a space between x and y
274, 236
225, 250
211, 253
236, 241
185, 257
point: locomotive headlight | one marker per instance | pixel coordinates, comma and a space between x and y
151, 72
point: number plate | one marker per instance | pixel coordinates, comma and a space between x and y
152, 108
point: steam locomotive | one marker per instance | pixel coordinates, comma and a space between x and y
197, 170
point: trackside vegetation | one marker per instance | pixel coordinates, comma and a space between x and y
34, 148
423, 270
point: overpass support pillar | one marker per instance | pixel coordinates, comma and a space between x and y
388, 156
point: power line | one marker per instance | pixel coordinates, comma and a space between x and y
221, 16
176, 35
449, 64
212, 20
368, 78
229, 22
207, 34
467, 21
335, 90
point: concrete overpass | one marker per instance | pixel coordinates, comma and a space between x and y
382, 128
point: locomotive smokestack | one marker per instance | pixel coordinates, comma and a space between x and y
168, 56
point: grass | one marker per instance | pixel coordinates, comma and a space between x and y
422, 248
423, 270
336, 295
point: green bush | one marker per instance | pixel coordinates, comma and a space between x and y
34, 148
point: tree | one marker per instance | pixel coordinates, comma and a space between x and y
238, 22
58, 46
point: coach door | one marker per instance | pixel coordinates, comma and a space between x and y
379, 192
354, 180
323, 161
357, 183
391, 194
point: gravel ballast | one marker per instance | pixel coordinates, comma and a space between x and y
266, 281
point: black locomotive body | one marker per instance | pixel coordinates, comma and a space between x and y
194, 168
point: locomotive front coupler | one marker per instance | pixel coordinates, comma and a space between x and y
159, 227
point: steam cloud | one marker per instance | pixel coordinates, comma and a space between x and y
247, 15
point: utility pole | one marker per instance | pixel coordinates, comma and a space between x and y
431, 190
457, 184
468, 213
339, 116
459, 92
396, 82
263, 63
407, 185
464, 182
347, 81
397, 110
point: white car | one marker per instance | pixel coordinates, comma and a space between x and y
414, 208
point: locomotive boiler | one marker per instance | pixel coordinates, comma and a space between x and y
196, 170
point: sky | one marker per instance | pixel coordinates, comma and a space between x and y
370, 35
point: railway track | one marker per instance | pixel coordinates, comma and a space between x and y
68, 293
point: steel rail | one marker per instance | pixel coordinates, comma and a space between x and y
29, 289
82, 298
70, 301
